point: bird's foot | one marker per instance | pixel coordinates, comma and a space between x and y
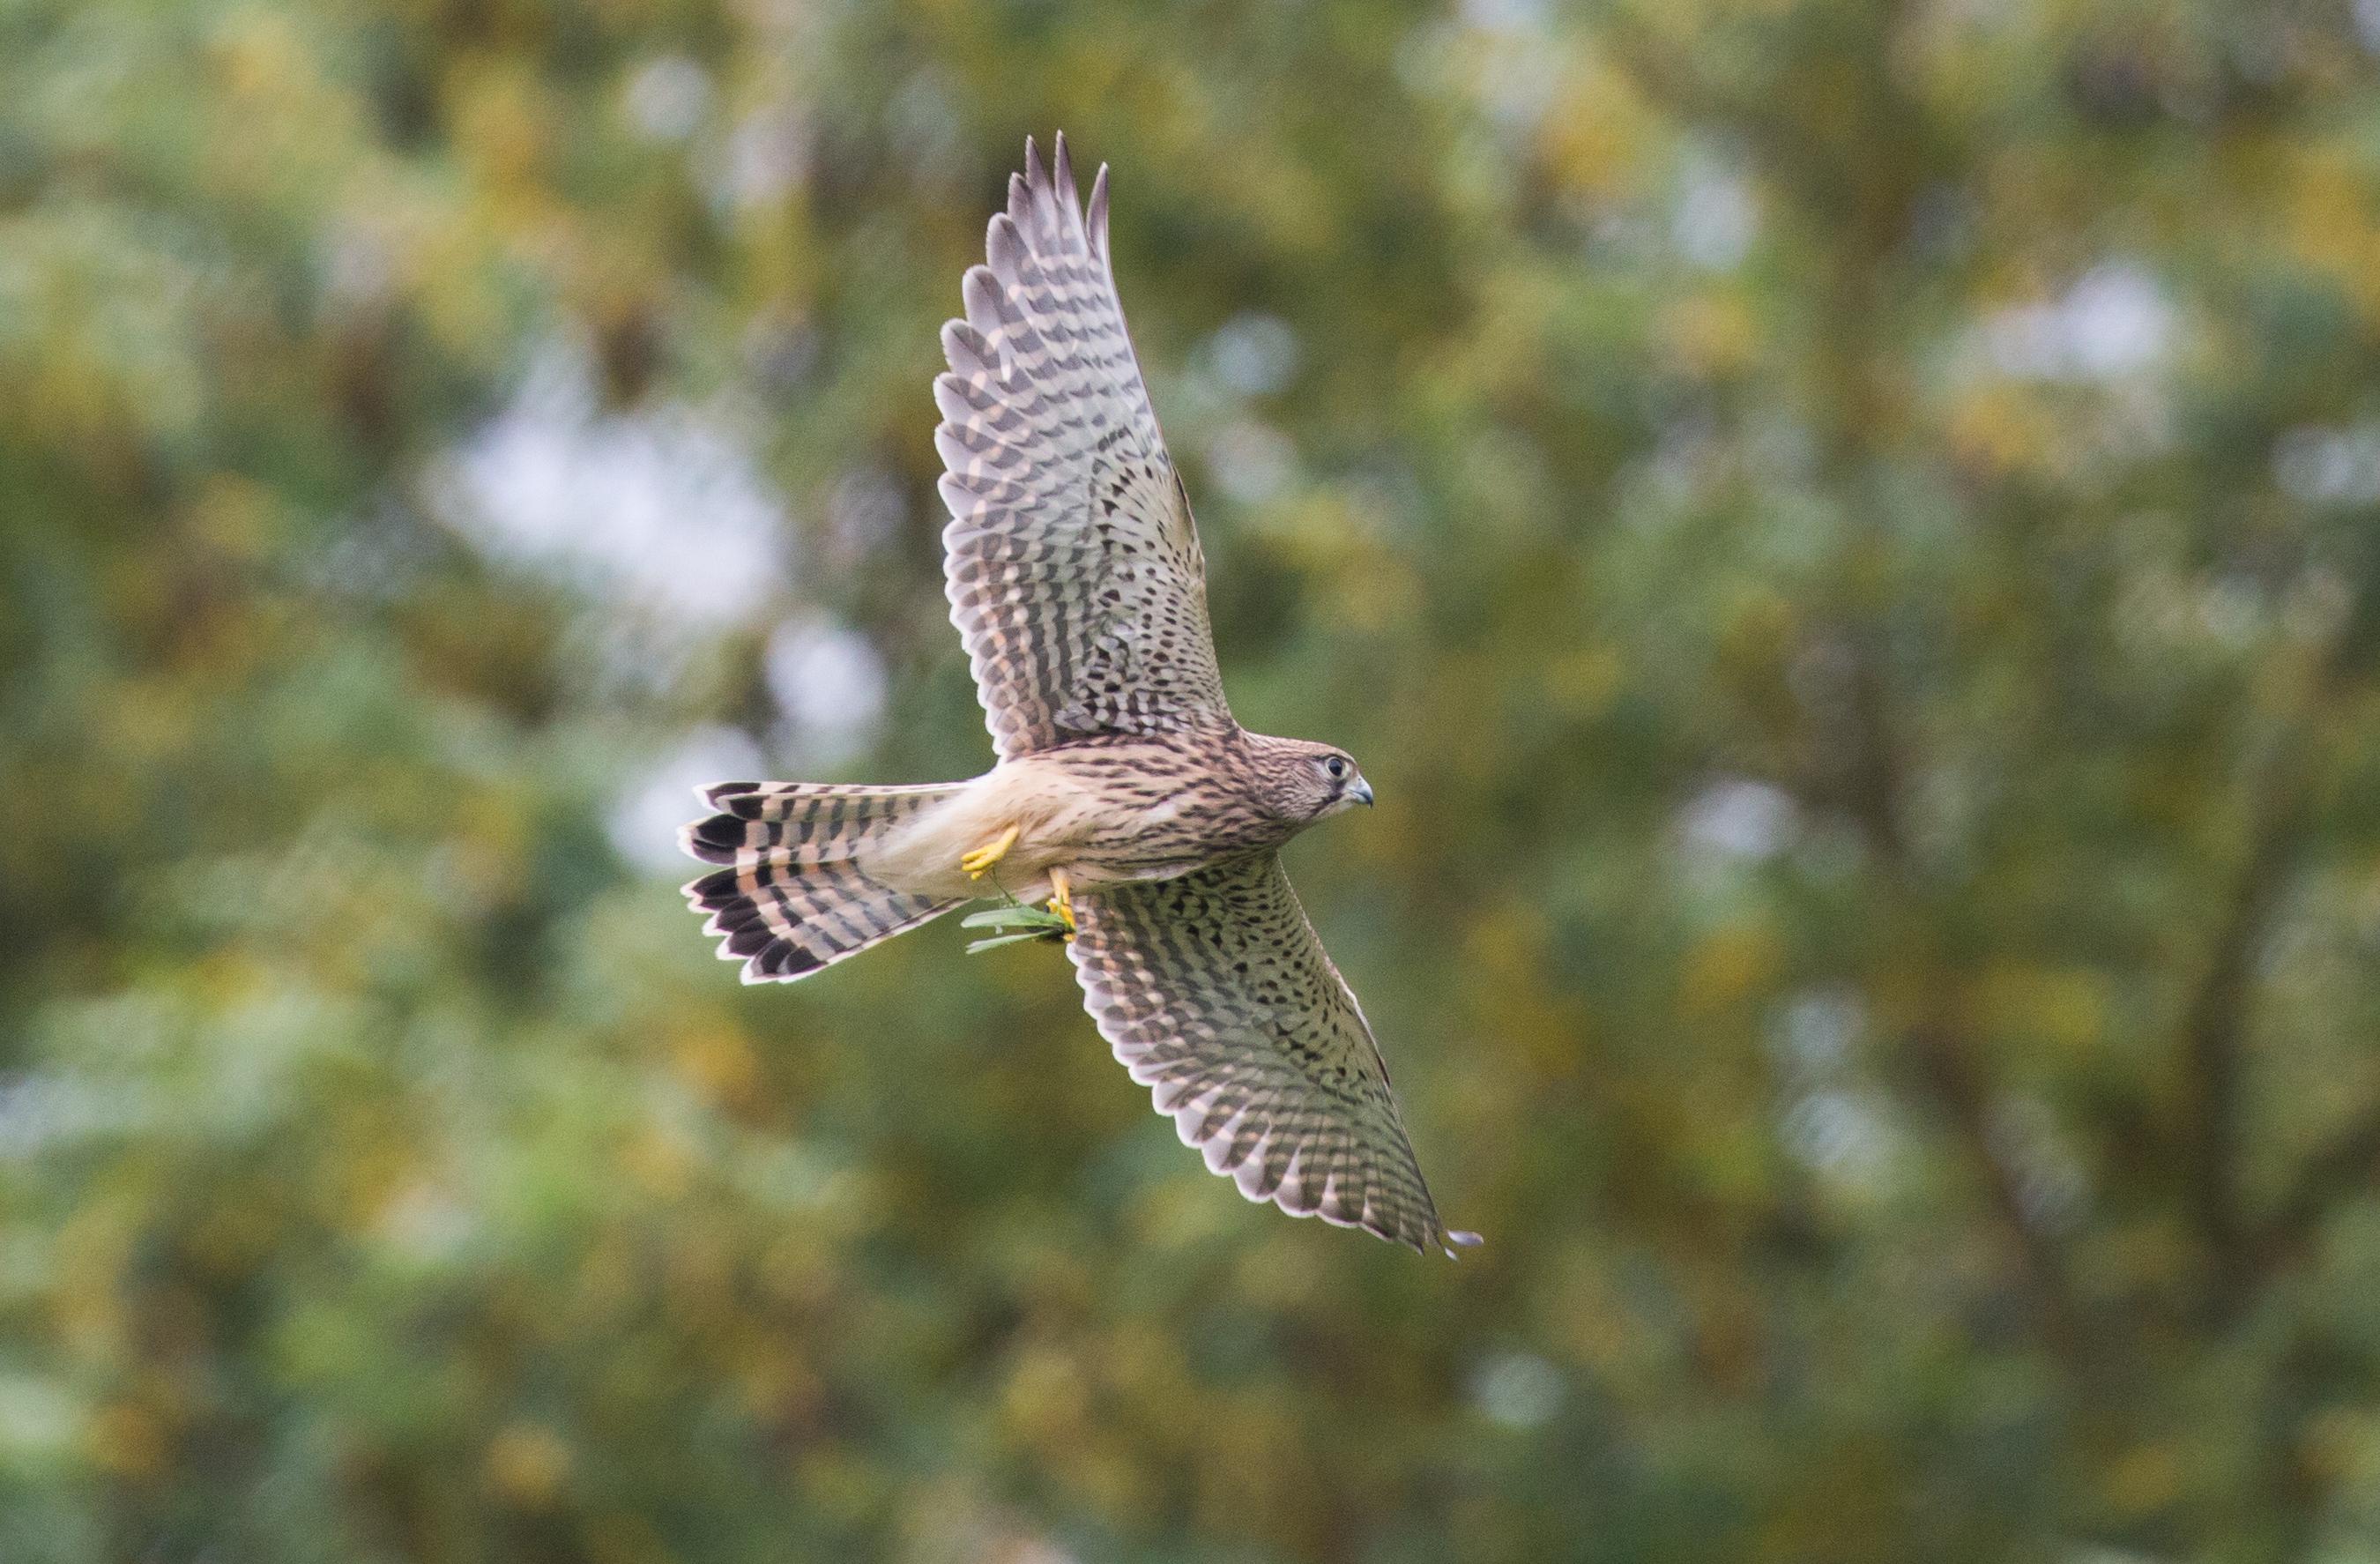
1062, 900
977, 862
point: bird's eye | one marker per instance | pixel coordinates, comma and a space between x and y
1336, 766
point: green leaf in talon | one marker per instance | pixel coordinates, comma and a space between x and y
1022, 923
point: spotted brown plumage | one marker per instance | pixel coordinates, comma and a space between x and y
1071, 561
1216, 994
1075, 580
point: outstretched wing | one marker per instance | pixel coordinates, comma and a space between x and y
1215, 992
1071, 561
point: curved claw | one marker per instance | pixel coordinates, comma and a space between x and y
977, 862
1062, 900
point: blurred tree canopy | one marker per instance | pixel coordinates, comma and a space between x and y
1846, 534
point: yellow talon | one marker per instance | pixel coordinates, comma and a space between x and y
990, 853
1062, 901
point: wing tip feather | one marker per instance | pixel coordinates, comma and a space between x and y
1096, 220
1004, 247
987, 300
1062, 176
1047, 204
1290, 1192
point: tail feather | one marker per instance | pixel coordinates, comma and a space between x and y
791, 897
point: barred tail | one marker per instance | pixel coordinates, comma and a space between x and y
792, 898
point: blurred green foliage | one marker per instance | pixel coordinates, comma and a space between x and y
1847, 536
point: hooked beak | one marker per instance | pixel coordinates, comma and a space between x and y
1360, 791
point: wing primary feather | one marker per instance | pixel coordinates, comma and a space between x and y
1005, 249
1053, 456
1095, 223
1061, 186
1214, 993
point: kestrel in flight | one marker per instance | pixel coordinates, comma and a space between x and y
1124, 793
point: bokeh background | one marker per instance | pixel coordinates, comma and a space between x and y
1847, 536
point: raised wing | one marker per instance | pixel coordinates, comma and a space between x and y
1215, 992
1071, 561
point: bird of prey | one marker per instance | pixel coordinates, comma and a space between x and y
1124, 793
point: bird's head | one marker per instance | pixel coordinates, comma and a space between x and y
1304, 782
